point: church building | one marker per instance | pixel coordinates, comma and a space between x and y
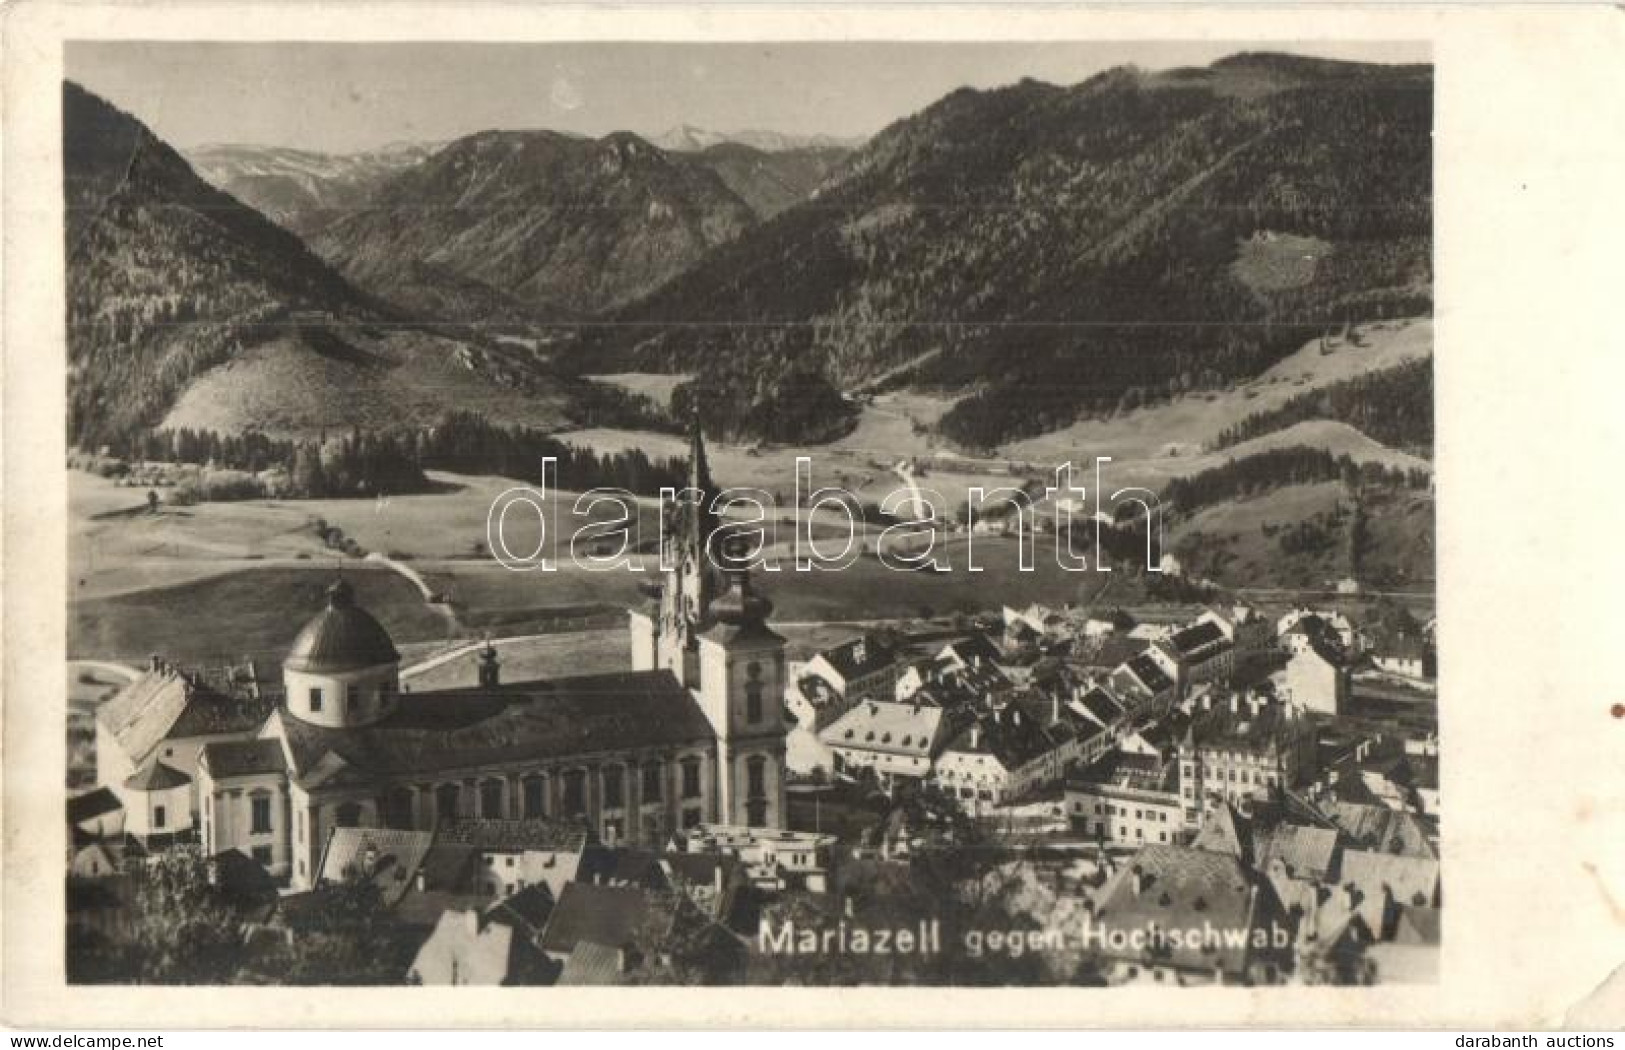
693, 734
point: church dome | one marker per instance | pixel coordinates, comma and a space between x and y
342, 637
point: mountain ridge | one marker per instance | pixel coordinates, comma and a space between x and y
1054, 252
559, 223
171, 281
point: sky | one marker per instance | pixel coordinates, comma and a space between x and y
348, 97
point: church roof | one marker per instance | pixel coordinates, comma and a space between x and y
342, 637
523, 721
155, 776
240, 758
498, 835
166, 703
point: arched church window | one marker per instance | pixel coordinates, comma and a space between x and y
445, 802
397, 809
614, 786
753, 692
755, 777
535, 791
575, 793
491, 799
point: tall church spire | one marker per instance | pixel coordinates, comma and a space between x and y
699, 471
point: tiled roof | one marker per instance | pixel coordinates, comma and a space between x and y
1408, 881
1101, 706
237, 758
92, 804
449, 868
621, 866
1307, 852
527, 911
1119, 619
610, 915
167, 704
1010, 737
1264, 728
1129, 772
506, 835
155, 776
859, 658
1197, 637
970, 648
1149, 673
1224, 831
527, 721
894, 728
1111, 651
396, 857
591, 963
1181, 888
1381, 828
1417, 925
1402, 647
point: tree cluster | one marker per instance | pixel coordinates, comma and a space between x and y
1393, 406
1256, 474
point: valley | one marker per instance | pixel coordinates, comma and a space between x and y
963, 287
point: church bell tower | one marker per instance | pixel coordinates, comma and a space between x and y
666, 629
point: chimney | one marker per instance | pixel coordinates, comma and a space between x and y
419, 881
975, 735
1138, 879
716, 877
155, 663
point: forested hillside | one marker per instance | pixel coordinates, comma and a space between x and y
566, 226
166, 276
186, 306
771, 182
1059, 252
1393, 406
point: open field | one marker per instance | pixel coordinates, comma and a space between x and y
1147, 447
1183, 427
115, 546
655, 386
255, 610
295, 385
1238, 543
223, 580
